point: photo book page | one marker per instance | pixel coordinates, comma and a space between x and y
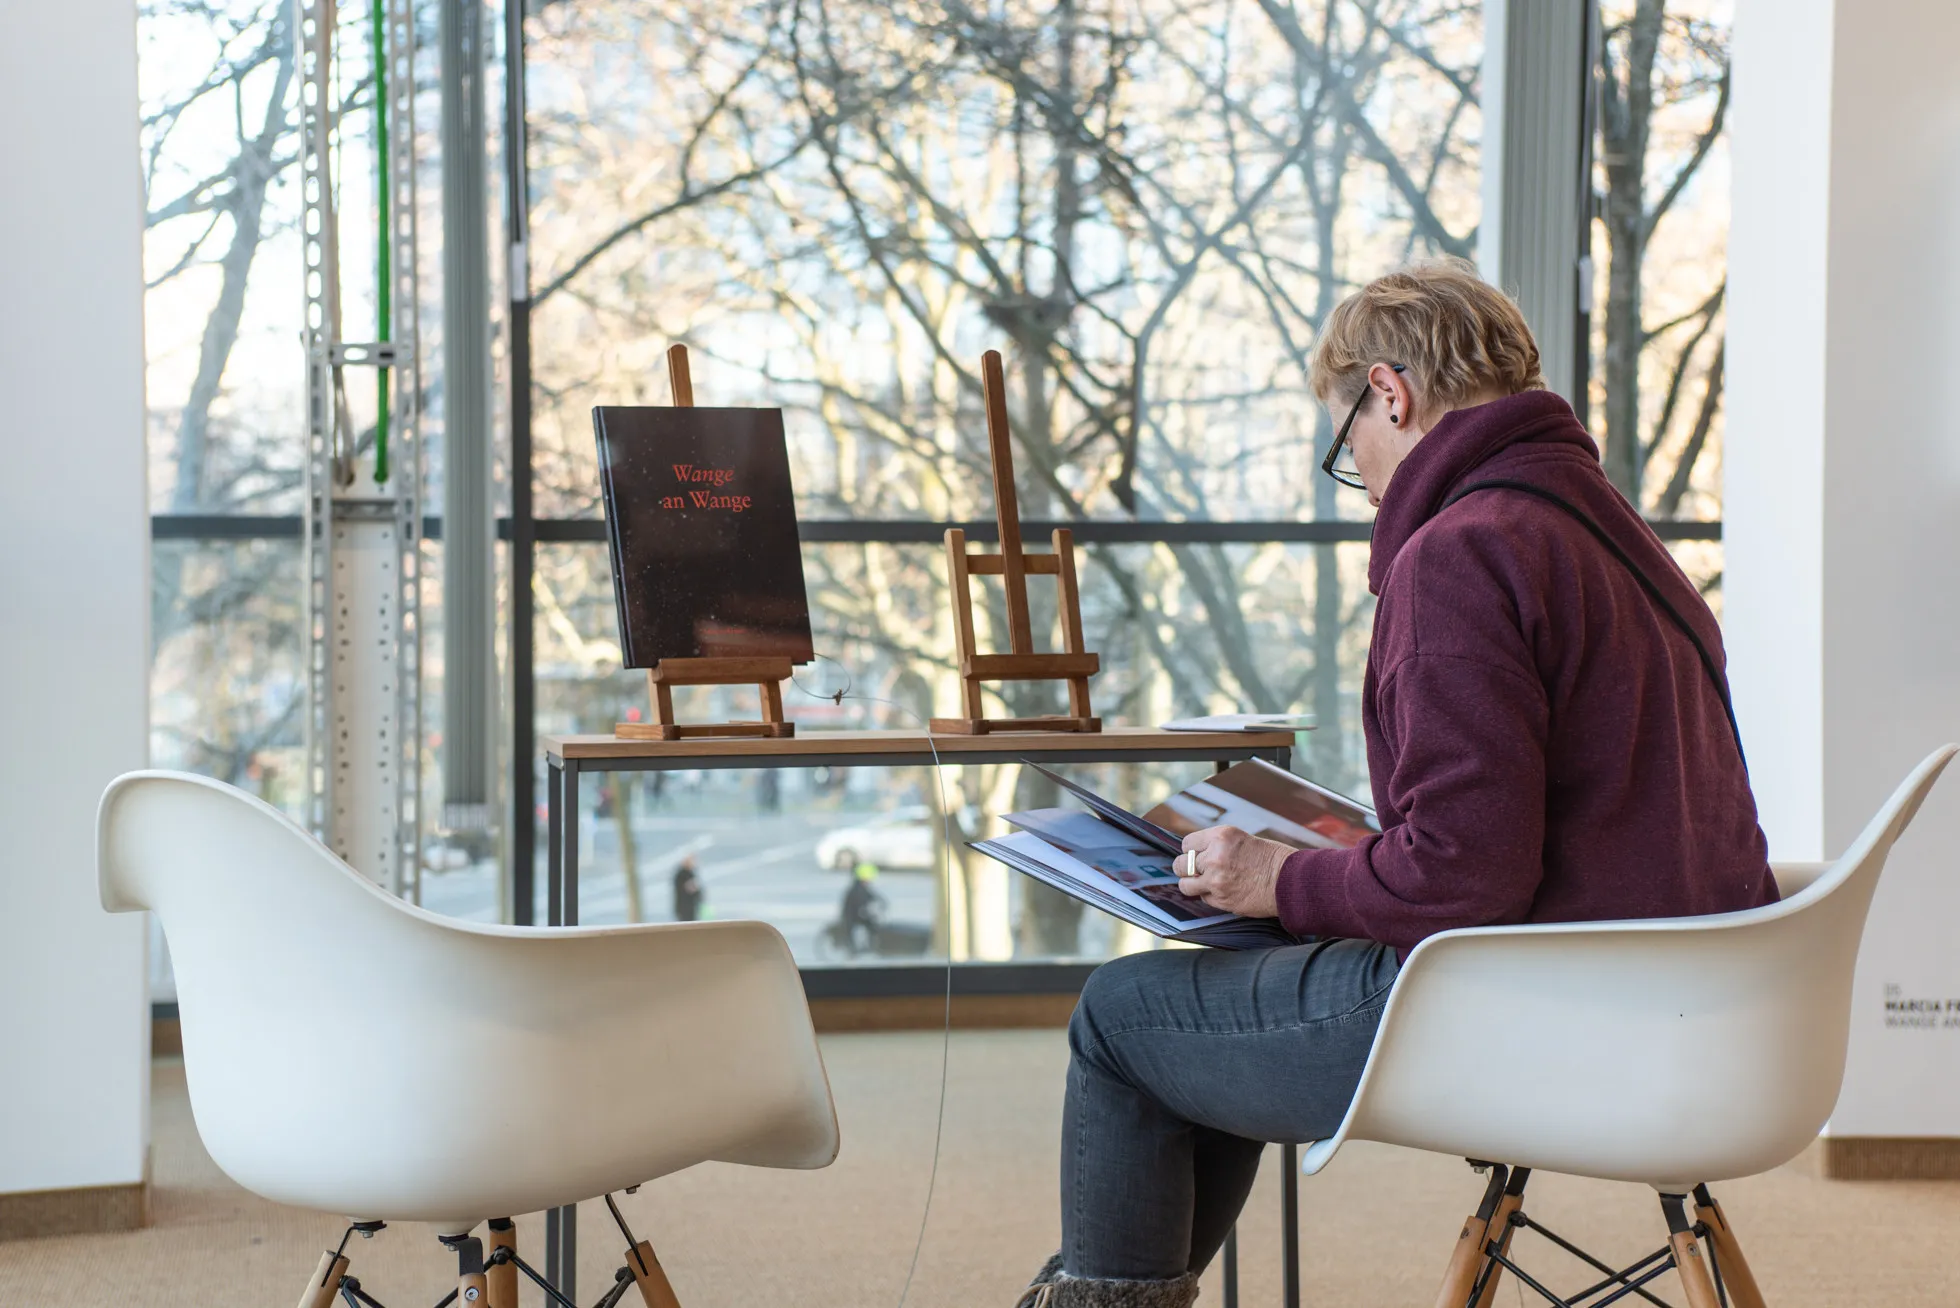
1120, 862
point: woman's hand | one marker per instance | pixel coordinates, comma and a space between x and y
1232, 871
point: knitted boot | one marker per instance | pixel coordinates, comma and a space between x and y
1066, 1291
1049, 1271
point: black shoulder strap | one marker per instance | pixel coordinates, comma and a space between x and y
1646, 583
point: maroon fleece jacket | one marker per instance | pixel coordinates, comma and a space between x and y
1543, 741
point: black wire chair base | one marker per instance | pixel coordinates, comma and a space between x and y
1616, 1285
622, 1281
351, 1293
354, 1296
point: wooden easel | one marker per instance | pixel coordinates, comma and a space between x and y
1075, 664
765, 673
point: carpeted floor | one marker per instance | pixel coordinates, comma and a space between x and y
1378, 1224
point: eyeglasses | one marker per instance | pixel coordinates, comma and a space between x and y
1348, 476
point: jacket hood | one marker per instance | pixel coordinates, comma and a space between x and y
1460, 444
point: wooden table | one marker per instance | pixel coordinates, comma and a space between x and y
567, 758
1111, 744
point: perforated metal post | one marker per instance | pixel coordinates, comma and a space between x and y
409, 459
362, 543
313, 23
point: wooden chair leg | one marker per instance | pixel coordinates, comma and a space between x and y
501, 1278
654, 1286
1696, 1284
1460, 1277
1737, 1279
320, 1291
472, 1284
1499, 1232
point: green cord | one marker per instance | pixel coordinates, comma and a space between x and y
384, 273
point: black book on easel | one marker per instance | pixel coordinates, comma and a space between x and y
707, 561
701, 519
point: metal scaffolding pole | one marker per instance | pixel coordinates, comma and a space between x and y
362, 543
469, 687
523, 524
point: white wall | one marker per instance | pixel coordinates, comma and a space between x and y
74, 592
1773, 463
1842, 500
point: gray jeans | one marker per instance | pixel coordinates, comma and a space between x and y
1186, 1062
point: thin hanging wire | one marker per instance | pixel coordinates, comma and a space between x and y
838, 696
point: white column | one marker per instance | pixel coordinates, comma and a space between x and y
1531, 239
1773, 463
74, 607
1842, 497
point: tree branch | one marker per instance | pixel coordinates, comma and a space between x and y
1703, 144
1684, 467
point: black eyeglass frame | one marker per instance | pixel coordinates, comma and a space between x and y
1345, 478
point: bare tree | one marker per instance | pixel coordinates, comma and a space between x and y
216, 140
1654, 61
1150, 208
234, 196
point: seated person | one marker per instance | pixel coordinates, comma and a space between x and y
1544, 745
862, 910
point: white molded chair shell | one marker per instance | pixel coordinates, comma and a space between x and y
1669, 1051
349, 1052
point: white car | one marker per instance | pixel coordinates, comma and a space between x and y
903, 838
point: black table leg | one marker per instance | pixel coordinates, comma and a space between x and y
570, 891
554, 848
1289, 1192
561, 908
553, 1219
1289, 1225
1289, 1186
561, 1249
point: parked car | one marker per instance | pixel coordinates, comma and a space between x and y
903, 838
442, 856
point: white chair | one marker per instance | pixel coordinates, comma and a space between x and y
1674, 1052
349, 1052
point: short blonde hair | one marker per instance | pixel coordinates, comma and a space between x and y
1456, 334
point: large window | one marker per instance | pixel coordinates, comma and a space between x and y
1660, 236
222, 315
1148, 207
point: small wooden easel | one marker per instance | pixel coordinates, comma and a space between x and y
766, 673
1075, 665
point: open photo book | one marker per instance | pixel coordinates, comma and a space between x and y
1120, 862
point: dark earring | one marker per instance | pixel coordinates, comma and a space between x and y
1393, 418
